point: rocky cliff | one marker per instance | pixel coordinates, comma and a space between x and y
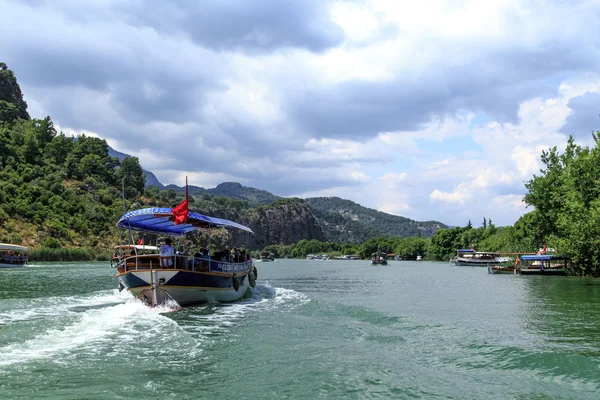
11, 97
284, 222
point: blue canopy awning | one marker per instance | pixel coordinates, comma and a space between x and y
465, 251
542, 257
162, 221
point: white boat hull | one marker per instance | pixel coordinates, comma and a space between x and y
184, 286
11, 265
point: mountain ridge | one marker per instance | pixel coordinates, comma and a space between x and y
341, 220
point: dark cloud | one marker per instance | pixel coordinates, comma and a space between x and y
241, 25
584, 117
495, 83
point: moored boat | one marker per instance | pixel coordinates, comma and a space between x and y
501, 269
157, 277
544, 264
346, 257
470, 257
265, 256
13, 256
379, 258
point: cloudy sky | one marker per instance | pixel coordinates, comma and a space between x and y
433, 110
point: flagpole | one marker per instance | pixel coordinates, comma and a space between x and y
188, 205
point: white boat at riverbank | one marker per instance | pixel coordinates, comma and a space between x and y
472, 258
13, 256
544, 264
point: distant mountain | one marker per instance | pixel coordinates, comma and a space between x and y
237, 191
151, 179
346, 221
339, 220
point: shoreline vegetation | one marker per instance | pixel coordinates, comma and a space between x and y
61, 197
43, 254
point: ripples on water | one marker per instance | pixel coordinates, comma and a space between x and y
310, 329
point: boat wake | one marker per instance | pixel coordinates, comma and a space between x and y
74, 329
214, 319
93, 329
33, 309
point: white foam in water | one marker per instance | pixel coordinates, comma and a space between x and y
264, 298
93, 328
131, 322
54, 306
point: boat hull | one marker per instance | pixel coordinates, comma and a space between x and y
546, 271
12, 265
498, 270
222, 282
463, 263
185, 287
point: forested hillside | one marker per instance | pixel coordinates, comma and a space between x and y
345, 221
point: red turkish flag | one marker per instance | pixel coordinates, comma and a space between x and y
182, 211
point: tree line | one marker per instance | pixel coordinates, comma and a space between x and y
565, 215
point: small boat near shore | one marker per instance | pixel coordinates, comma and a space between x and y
379, 258
13, 255
472, 258
544, 264
265, 256
158, 277
346, 257
502, 269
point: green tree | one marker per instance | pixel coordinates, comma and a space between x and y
135, 178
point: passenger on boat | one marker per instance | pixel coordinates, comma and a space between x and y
166, 254
200, 262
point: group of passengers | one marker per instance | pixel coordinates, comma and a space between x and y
201, 258
12, 257
234, 255
10, 253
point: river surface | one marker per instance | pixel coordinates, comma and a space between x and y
312, 329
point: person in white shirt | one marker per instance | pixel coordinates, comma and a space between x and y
166, 251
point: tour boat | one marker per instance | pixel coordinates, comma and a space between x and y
379, 258
543, 264
470, 257
13, 256
187, 279
265, 256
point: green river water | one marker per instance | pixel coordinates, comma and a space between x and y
312, 329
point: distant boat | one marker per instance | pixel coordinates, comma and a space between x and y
13, 256
543, 264
346, 257
419, 258
265, 256
157, 278
379, 258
